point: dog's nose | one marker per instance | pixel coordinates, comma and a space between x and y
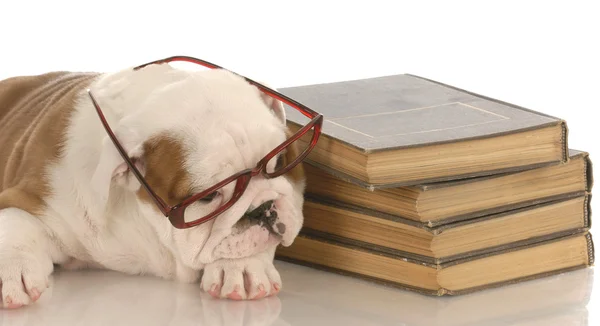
266, 215
261, 211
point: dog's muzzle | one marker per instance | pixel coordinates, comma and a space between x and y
254, 232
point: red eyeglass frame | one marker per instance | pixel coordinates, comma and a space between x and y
176, 213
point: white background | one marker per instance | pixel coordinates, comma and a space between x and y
543, 55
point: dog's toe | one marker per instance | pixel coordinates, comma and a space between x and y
236, 294
233, 282
259, 278
22, 283
215, 290
261, 292
212, 280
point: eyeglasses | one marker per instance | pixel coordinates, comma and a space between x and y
176, 214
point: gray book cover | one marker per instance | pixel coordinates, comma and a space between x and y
404, 110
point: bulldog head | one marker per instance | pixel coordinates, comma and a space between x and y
186, 131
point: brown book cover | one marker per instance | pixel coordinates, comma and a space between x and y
406, 112
447, 202
446, 243
509, 266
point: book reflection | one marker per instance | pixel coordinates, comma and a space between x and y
555, 300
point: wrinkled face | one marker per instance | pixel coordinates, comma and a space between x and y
205, 127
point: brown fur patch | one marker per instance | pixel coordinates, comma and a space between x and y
34, 114
164, 161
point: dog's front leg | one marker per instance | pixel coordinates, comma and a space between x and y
251, 277
25, 261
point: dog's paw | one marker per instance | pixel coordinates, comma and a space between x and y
241, 279
22, 282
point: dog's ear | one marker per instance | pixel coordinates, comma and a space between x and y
274, 104
112, 169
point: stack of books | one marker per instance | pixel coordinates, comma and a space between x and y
435, 189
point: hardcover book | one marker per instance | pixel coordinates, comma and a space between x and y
511, 265
446, 243
447, 202
405, 130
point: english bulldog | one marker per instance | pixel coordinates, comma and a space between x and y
188, 175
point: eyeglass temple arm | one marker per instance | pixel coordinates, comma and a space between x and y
164, 206
304, 109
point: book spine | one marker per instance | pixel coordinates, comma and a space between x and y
565, 142
591, 251
589, 173
587, 210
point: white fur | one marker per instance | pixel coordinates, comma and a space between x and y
94, 218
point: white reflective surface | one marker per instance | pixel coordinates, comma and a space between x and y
309, 297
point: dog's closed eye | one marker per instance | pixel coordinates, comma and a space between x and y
280, 162
208, 198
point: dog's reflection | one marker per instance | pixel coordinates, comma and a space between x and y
108, 298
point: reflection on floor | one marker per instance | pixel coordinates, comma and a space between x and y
309, 297
557, 300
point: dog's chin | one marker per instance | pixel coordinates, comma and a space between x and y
249, 236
